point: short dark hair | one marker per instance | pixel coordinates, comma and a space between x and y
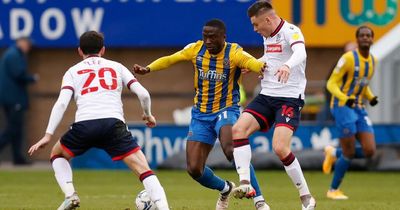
364, 27
91, 42
259, 7
217, 23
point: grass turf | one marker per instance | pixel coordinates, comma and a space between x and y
23, 190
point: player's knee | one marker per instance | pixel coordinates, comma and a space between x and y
229, 155
194, 171
369, 152
281, 151
228, 151
349, 154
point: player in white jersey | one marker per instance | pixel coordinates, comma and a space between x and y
279, 102
96, 85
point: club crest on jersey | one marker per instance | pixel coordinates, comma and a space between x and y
363, 81
274, 48
278, 37
226, 63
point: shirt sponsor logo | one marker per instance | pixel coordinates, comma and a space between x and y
274, 48
211, 75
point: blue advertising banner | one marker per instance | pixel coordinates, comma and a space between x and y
125, 23
164, 141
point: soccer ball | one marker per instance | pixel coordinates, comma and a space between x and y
143, 201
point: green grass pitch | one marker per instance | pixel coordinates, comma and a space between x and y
38, 190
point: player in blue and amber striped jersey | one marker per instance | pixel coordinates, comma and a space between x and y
349, 86
217, 76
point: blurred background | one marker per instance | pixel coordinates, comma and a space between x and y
140, 31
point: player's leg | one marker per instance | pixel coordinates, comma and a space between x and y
367, 141
345, 119
59, 158
201, 139
281, 144
118, 142
224, 128
287, 120
137, 162
341, 166
256, 116
243, 128
365, 135
196, 157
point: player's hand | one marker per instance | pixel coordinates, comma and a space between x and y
283, 74
374, 101
40, 144
138, 69
263, 69
150, 120
350, 102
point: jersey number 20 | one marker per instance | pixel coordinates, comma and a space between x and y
92, 75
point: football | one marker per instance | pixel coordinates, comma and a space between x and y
143, 201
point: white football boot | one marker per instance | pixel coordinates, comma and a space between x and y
223, 200
70, 203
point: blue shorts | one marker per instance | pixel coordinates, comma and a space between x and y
351, 121
205, 128
109, 134
278, 111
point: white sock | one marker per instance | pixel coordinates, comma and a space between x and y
242, 156
258, 198
156, 192
63, 174
226, 188
296, 174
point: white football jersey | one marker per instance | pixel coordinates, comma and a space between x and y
97, 84
277, 51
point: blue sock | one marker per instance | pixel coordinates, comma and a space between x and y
341, 166
253, 180
358, 154
209, 180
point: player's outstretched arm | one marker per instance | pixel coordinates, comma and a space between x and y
56, 116
248, 63
161, 63
145, 102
